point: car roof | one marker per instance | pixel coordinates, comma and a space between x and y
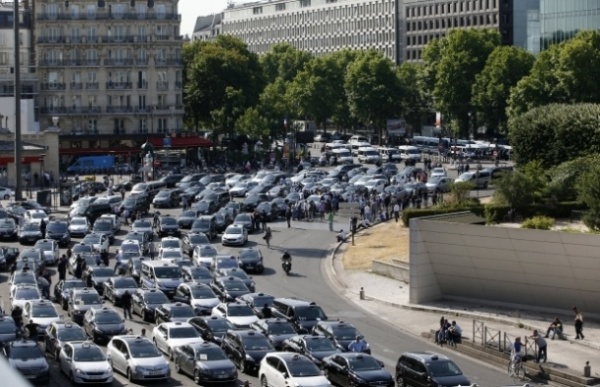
295, 301
425, 357
176, 324
289, 356
247, 333
23, 343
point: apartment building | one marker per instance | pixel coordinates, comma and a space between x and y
316, 26
109, 70
208, 27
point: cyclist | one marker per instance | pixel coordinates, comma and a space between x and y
515, 353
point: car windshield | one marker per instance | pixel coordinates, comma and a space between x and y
443, 368
364, 363
168, 221
72, 334
57, 227
7, 326
200, 273
91, 239
220, 325
202, 293
125, 283
242, 218
234, 230
320, 344
210, 354
202, 206
44, 245
171, 254
73, 285
249, 255
240, 311
183, 333
79, 222
257, 344
208, 252
235, 285
31, 227
130, 247
108, 318
142, 224
167, 272
281, 329
182, 312
135, 237
310, 313
103, 272
170, 244
345, 333
199, 239
88, 299
25, 353
90, 354
38, 215
82, 249
25, 278
27, 294
262, 300
303, 368
145, 349
201, 223
45, 311
156, 298
227, 263
163, 194
102, 226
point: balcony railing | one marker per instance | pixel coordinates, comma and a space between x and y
119, 109
52, 39
119, 85
162, 85
53, 86
118, 62
71, 110
92, 85
96, 132
76, 86
45, 16
68, 62
142, 85
168, 62
54, 110
141, 61
119, 39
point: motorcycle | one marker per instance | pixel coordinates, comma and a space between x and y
287, 266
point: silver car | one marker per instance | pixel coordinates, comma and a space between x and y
50, 250
137, 358
439, 184
79, 226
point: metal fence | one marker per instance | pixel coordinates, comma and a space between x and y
497, 339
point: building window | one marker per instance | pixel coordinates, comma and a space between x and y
143, 125
91, 11
304, 3
280, 7
162, 125
92, 125
257, 10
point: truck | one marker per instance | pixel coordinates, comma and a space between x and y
92, 164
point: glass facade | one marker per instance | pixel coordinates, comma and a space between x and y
560, 20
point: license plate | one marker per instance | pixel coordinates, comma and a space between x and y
154, 373
221, 376
250, 266
95, 376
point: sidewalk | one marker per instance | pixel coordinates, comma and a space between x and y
388, 299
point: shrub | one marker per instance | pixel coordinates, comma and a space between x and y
539, 223
495, 213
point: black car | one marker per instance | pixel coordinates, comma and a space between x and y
356, 369
206, 225
26, 357
60, 333
205, 207
426, 369
10, 255
145, 301
166, 199
167, 226
276, 329
211, 328
103, 324
316, 348
190, 241
257, 302
173, 312
59, 231
206, 363
63, 290
138, 203
197, 274
303, 314
268, 211
187, 217
251, 260
341, 333
229, 288
222, 220
8, 229
95, 210
246, 348
115, 287
171, 180
95, 276
252, 201
241, 274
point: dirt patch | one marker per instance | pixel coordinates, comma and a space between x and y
383, 242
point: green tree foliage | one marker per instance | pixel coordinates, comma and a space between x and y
222, 77
252, 124
283, 61
589, 192
274, 107
564, 178
505, 66
373, 90
415, 102
539, 223
456, 61
556, 133
341, 110
515, 189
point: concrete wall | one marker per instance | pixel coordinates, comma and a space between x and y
542, 269
395, 269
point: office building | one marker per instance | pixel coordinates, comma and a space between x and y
562, 20
110, 72
316, 26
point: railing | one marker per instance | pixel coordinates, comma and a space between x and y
45, 16
71, 110
54, 110
141, 62
53, 86
68, 62
118, 62
119, 39
119, 85
92, 85
168, 62
142, 85
478, 331
119, 109
161, 85
96, 132
52, 39
76, 86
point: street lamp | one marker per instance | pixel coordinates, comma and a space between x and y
148, 160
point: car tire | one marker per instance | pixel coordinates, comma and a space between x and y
264, 382
197, 377
72, 379
400, 382
178, 367
242, 366
129, 375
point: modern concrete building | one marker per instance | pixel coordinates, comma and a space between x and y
208, 27
561, 20
110, 71
317, 26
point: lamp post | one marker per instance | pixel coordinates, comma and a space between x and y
148, 160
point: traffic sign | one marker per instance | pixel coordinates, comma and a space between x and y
349, 210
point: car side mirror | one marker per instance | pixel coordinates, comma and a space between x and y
126, 356
69, 359
285, 375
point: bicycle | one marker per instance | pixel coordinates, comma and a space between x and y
516, 368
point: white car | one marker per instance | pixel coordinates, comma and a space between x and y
99, 242
234, 234
42, 313
375, 184
49, 249
6, 193
35, 216
170, 255
79, 226
237, 313
241, 188
283, 369
137, 358
116, 220
170, 335
23, 293
20, 278
84, 362
203, 255
441, 172
171, 243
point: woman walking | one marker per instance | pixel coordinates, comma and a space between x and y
578, 324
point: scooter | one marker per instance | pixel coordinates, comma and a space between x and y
287, 266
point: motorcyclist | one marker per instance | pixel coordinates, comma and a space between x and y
286, 260
286, 257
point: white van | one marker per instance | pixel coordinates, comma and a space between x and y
343, 155
331, 146
161, 275
356, 138
368, 155
390, 154
409, 152
357, 145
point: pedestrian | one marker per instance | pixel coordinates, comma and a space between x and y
330, 217
69, 253
268, 235
104, 258
288, 216
151, 250
78, 267
126, 302
578, 324
143, 332
62, 268
263, 220
396, 211
118, 262
266, 311
44, 286
358, 345
542, 346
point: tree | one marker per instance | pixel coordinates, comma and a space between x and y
515, 189
274, 107
415, 103
565, 177
504, 68
341, 110
222, 77
283, 61
252, 124
373, 90
589, 192
455, 62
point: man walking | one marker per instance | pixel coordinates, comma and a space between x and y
330, 218
542, 346
151, 250
126, 302
62, 268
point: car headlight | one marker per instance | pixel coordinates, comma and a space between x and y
206, 371
78, 371
249, 358
66, 235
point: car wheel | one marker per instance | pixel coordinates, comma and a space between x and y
177, 367
196, 376
400, 382
72, 378
170, 354
129, 375
264, 382
242, 366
